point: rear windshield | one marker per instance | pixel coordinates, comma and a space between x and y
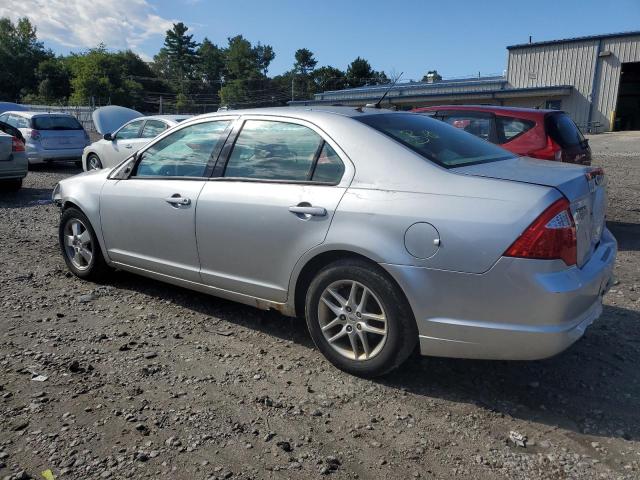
436, 141
51, 122
563, 131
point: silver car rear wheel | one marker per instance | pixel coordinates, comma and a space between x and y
352, 320
78, 244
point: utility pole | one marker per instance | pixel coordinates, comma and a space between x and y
292, 78
160, 104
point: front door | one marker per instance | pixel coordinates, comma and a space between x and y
275, 201
148, 219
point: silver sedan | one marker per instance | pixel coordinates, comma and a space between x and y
386, 231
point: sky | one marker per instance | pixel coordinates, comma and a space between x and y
456, 37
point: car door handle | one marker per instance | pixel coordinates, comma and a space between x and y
128, 146
308, 210
177, 199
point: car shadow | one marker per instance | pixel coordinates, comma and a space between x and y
26, 197
627, 234
592, 388
56, 167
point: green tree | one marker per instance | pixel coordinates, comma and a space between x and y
177, 59
234, 93
305, 62
359, 73
211, 65
432, 75
54, 80
105, 77
242, 60
20, 54
265, 55
328, 78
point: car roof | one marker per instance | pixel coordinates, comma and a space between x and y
169, 118
308, 112
489, 108
38, 114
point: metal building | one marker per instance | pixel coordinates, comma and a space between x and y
596, 79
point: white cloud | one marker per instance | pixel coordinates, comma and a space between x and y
118, 24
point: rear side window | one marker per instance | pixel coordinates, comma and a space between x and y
56, 122
273, 150
434, 140
508, 128
562, 130
475, 124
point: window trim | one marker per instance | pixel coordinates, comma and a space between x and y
137, 156
223, 160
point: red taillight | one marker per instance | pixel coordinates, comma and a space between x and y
34, 134
17, 145
551, 151
551, 236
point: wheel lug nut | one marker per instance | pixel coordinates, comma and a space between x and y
358, 314
348, 309
349, 328
343, 317
359, 326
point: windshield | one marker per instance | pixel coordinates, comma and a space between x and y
434, 140
52, 122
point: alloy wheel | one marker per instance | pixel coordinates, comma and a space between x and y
352, 320
93, 163
78, 244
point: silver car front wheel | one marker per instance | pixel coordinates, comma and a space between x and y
80, 247
93, 162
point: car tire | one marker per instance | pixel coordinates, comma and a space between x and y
360, 319
81, 252
93, 162
12, 185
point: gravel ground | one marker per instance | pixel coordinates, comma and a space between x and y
143, 379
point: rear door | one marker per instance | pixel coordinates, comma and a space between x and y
148, 219
272, 202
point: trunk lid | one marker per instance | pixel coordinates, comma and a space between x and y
584, 187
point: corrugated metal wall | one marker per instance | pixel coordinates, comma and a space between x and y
574, 63
623, 50
558, 64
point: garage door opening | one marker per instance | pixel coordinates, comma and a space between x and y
628, 107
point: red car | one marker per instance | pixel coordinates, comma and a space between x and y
544, 134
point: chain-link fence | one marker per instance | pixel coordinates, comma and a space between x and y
82, 113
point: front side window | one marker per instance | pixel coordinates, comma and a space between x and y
508, 128
435, 140
153, 128
272, 150
183, 153
129, 131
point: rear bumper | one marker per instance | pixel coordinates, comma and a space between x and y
519, 310
15, 168
39, 155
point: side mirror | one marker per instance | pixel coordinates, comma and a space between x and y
108, 136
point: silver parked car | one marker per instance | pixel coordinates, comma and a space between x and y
13, 159
49, 136
385, 230
124, 132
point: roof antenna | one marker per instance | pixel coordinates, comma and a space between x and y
377, 104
